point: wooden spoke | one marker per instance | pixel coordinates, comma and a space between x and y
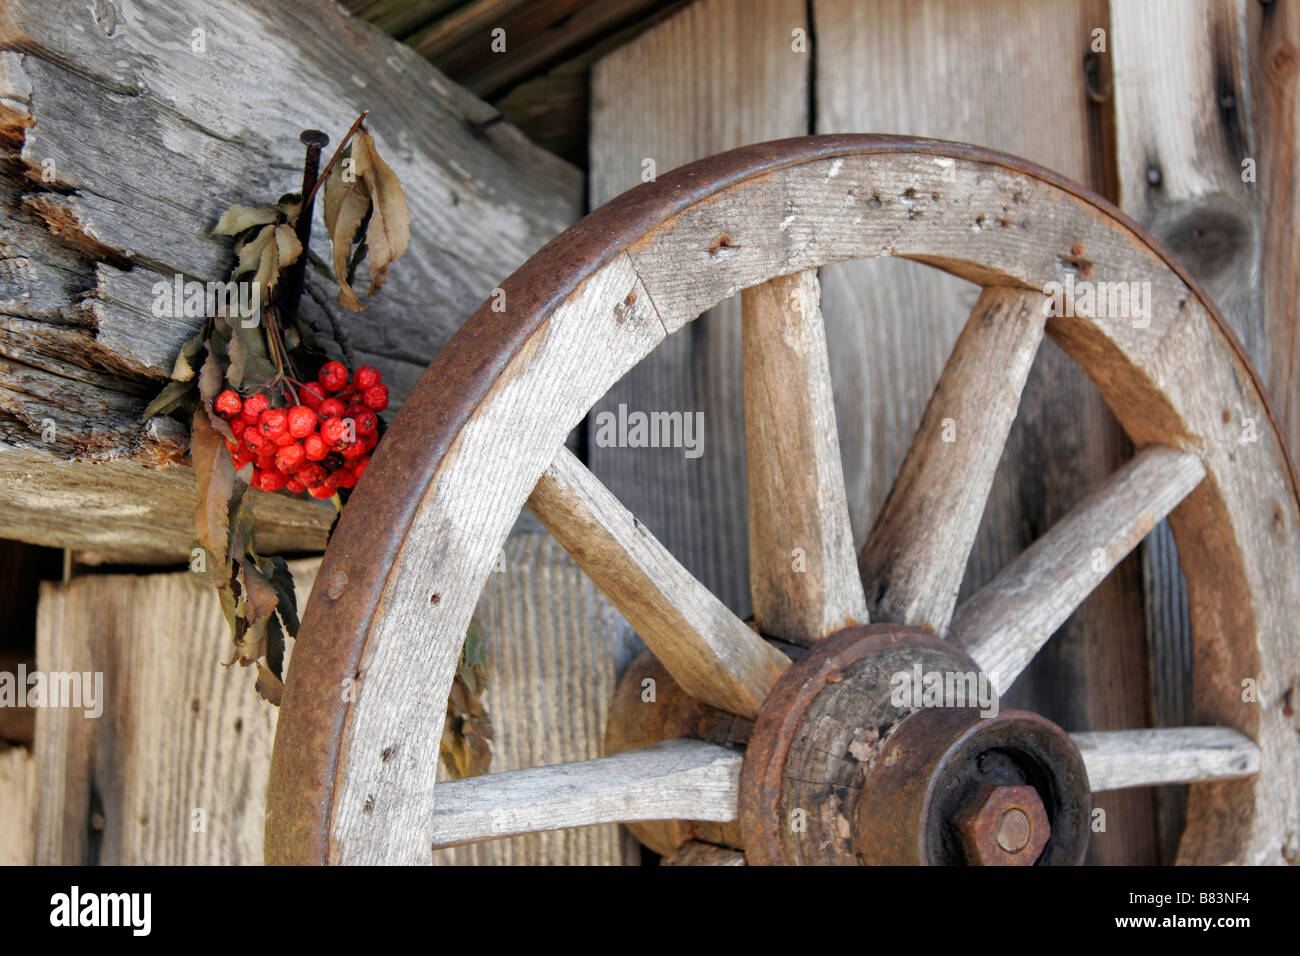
674, 780
1004, 625
1144, 758
707, 649
915, 556
802, 571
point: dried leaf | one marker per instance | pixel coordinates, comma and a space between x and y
389, 231
250, 252
169, 399
467, 733
183, 369
216, 477
286, 241
269, 686
346, 205
238, 218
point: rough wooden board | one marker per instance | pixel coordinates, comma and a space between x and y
168, 742
982, 73
720, 73
1275, 47
17, 807
150, 141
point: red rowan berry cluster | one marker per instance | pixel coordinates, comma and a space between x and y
318, 446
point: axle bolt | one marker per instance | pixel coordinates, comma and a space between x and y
1003, 826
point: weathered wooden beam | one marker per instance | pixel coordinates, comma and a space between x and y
123, 134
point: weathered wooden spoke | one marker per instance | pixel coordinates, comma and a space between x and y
694, 780
916, 554
352, 776
1003, 626
686, 779
803, 575
710, 651
1147, 758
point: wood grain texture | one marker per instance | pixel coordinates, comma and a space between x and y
1141, 758
720, 73
708, 650
172, 711
149, 140
1275, 32
1009, 619
677, 778
916, 554
803, 576
974, 72
17, 807
179, 732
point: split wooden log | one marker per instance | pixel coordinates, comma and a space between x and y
124, 132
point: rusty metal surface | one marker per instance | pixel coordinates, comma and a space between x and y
936, 764
1003, 826
823, 664
345, 601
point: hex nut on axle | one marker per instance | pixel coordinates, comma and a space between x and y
1003, 826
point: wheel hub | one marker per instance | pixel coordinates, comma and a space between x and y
850, 763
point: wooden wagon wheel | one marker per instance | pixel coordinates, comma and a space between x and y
482, 434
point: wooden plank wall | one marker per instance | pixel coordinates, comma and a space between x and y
180, 732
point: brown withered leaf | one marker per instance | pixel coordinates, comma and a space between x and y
466, 745
270, 687
389, 231
238, 218
216, 477
346, 205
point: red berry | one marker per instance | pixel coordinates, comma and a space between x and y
272, 480
289, 457
370, 440
375, 398
253, 439
332, 431
228, 403
347, 478
360, 465
330, 408
265, 462
294, 485
365, 377
315, 448
237, 425
367, 422
302, 421
311, 395
254, 405
321, 491
333, 376
273, 422
310, 473
353, 450
285, 439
